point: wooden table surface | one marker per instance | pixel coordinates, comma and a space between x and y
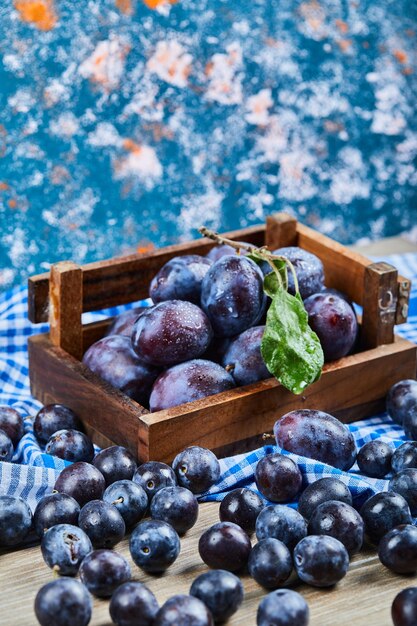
362, 598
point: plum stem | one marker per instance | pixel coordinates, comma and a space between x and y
261, 253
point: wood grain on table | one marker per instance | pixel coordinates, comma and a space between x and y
362, 598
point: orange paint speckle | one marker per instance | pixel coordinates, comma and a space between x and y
131, 146
12, 203
144, 248
407, 71
401, 56
40, 13
154, 4
342, 26
125, 6
3, 186
344, 44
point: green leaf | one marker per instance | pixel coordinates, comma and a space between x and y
271, 281
290, 349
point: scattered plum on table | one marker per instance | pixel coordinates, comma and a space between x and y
63, 602
115, 463
63, 548
221, 591
11, 422
316, 435
225, 546
196, 468
103, 571
129, 498
154, 545
382, 512
400, 398
70, 445
321, 560
322, 490
53, 417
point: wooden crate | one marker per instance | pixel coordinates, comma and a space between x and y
233, 421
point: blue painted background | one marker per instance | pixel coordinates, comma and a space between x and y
126, 124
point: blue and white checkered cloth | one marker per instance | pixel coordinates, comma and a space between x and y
33, 473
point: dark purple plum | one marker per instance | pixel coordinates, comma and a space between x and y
308, 268
405, 483
103, 523
334, 321
115, 463
400, 398
176, 506
53, 417
154, 545
63, 602
53, 509
397, 549
225, 546
196, 468
103, 571
180, 279
12, 423
232, 295
82, 481
243, 358
316, 435
283, 607
184, 610
129, 498
242, 507
123, 323
410, 423
133, 604
320, 491
382, 512
6, 447
270, 563
217, 349
115, 361
70, 445
320, 560
405, 456
278, 478
63, 548
339, 520
340, 294
404, 607
221, 592
187, 382
281, 522
374, 458
153, 476
15, 520
171, 332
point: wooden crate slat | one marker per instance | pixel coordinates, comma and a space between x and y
65, 297
380, 305
125, 279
